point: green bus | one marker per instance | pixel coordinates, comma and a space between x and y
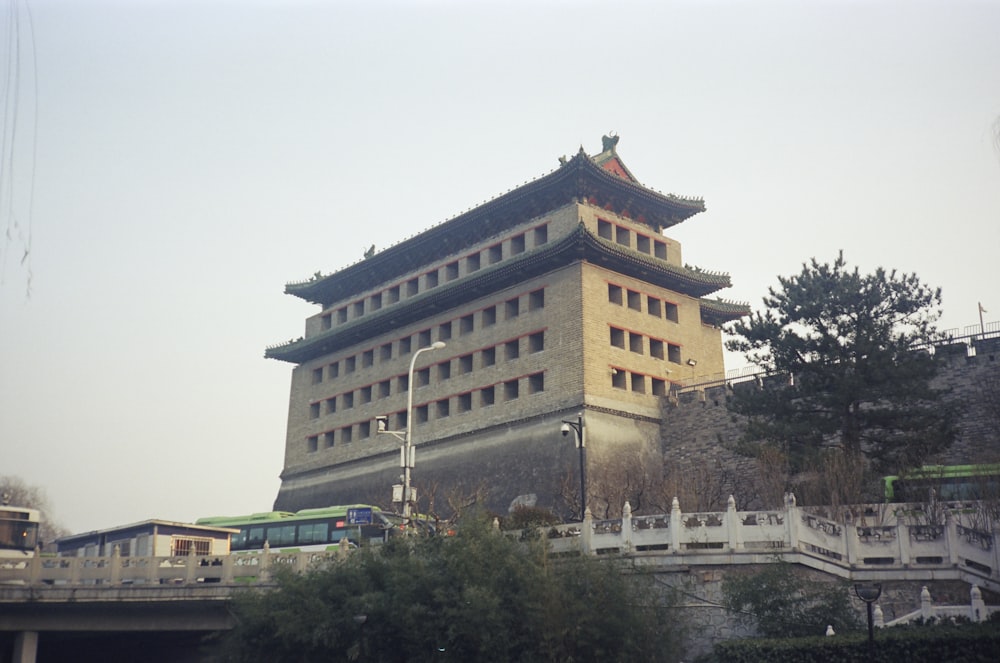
310, 529
949, 483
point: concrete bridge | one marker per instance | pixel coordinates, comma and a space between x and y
173, 602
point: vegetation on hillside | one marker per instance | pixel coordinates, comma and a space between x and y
477, 596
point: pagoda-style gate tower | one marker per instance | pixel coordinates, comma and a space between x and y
558, 298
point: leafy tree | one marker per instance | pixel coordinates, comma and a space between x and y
783, 605
477, 596
856, 376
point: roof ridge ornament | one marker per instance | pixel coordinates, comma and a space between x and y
610, 141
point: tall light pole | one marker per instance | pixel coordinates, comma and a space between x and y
581, 444
869, 593
406, 454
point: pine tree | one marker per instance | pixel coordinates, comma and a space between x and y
853, 366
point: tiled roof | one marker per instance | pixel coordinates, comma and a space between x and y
577, 179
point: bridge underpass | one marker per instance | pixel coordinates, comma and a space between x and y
98, 623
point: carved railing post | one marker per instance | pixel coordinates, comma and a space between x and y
903, 537
153, 570
227, 568
926, 607
951, 537
851, 542
116, 565
587, 535
734, 531
265, 563
74, 570
35, 567
191, 568
977, 607
626, 533
675, 526
792, 521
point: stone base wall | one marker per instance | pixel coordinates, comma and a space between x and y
706, 622
698, 431
527, 462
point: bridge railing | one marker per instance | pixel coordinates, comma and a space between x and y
866, 538
115, 570
860, 540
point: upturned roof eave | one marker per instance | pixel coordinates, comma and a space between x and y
579, 245
578, 179
718, 312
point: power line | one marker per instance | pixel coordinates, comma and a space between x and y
18, 235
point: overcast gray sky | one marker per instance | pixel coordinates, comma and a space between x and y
193, 157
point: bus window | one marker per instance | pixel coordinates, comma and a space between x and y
281, 536
256, 537
239, 540
314, 533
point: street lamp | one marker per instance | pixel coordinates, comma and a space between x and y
869, 593
581, 444
406, 455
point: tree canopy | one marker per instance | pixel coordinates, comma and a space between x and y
476, 596
851, 352
782, 604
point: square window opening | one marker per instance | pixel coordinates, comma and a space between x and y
615, 294
618, 378
635, 343
536, 342
634, 300
512, 308
618, 338
536, 300
604, 229
517, 244
487, 396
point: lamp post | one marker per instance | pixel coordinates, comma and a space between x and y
869, 593
581, 444
406, 455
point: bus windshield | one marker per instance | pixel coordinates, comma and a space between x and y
18, 529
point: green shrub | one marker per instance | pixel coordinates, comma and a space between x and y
968, 643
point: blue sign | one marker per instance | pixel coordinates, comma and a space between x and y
359, 516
